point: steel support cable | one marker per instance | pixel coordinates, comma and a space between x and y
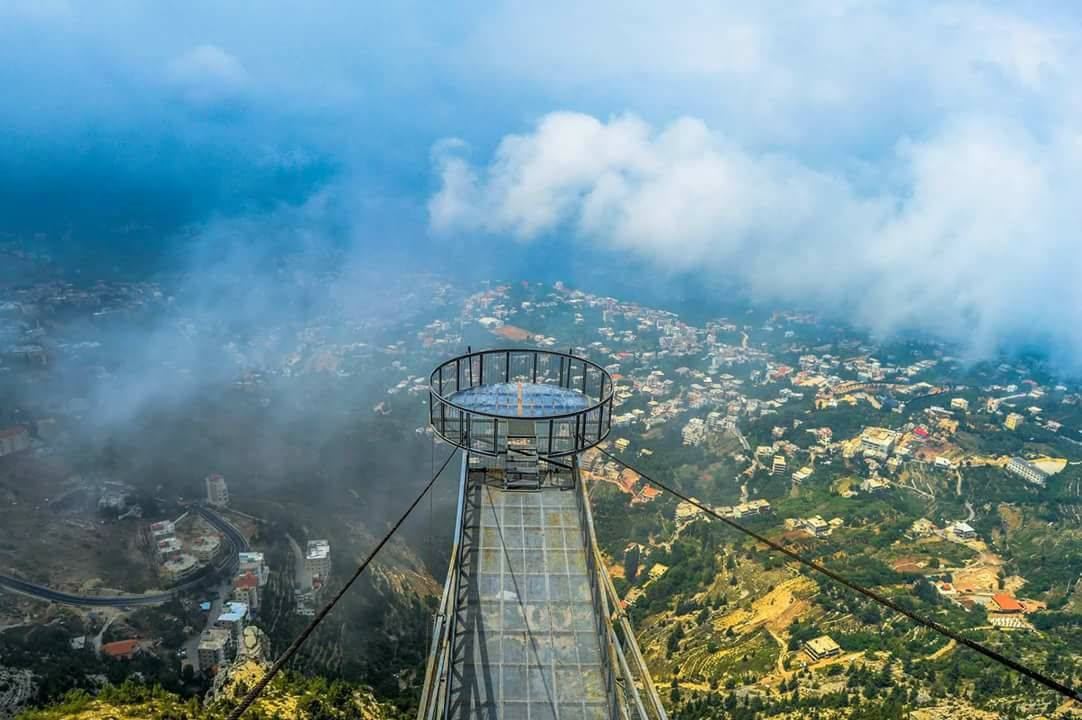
285, 657
989, 653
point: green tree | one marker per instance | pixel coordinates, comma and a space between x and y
631, 563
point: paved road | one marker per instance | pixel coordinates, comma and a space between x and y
743, 440
43, 593
299, 578
233, 537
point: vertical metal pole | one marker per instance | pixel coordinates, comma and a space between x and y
457, 569
561, 383
626, 671
584, 373
600, 419
535, 367
552, 432
507, 366
469, 363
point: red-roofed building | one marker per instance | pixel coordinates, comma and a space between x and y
780, 372
921, 432
246, 590
247, 581
121, 649
648, 493
1004, 603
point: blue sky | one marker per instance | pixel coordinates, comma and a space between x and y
913, 165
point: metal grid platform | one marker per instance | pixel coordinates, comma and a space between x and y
529, 625
472, 397
527, 645
521, 399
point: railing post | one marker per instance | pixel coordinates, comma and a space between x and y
435, 686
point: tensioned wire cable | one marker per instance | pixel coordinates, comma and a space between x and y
989, 653
290, 651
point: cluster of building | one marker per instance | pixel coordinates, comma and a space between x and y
694, 432
223, 639
638, 373
597, 467
251, 578
688, 510
317, 570
815, 526
180, 556
959, 531
175, 560
220, 643
1037, 470
745, 509
1004, 610
802, 474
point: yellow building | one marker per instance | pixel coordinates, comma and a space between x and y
879, 440
960, 404
1013, 421
948, 425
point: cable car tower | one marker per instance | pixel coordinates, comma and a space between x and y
529, 625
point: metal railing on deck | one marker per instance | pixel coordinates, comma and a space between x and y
560, 431
637, 697
594, 570
434, 692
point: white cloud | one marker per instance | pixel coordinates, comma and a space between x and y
913, 166
207, 75
978, 240
799, 71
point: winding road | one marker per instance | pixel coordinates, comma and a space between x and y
233, 536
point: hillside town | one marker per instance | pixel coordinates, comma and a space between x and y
942, 481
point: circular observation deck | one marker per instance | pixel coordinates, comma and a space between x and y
561, 401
